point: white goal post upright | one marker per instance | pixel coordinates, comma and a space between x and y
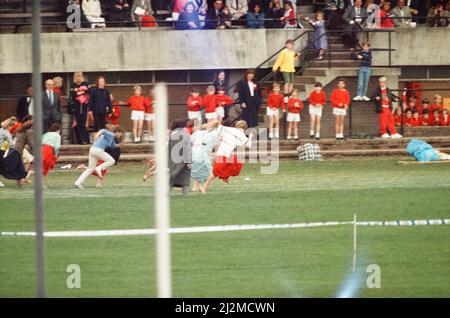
162, 191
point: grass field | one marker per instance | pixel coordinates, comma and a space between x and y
305, 262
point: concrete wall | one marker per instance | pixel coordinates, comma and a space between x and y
419, 46
144, 50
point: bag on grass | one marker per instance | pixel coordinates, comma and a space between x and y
309, 152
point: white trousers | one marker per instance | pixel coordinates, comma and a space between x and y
96, 154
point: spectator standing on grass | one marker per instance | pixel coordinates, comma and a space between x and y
355, 18
78, 106
286, 64
100, 103
120, 13
255, 18
383, 98
188, 19
318, 38
365, 70
25, 104
92, 10
402, 14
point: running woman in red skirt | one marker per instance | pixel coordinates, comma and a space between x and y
51, 141
226, 164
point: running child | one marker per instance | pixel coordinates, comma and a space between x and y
317, 100
275, 102
295, 105
340, 100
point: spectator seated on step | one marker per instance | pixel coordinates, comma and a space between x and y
93, 11
201, 6
386, 16
402, 14
238, 8
438, 16
213, 15
224, 18
255, 18
120, 13
274, 14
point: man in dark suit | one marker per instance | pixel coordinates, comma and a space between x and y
51, 106
25, 104
213, 14
354, 17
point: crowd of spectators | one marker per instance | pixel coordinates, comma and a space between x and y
226, 14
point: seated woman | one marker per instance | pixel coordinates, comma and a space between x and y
255, 18
189, 18
120, 13
385, 16
93, 11
438, 16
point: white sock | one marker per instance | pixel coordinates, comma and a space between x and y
311, 132
317, 135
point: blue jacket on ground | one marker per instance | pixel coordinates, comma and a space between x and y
422, 151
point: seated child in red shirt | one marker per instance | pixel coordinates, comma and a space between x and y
426, 118
435, 118
437, 104
408, 118
445, 118
416, 120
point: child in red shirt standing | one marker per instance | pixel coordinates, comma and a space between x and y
194, 106
295, 105
274, 103
340, 100
209, 101
137, 106
222, 101
149, 115
437, 104
445, 119
317, 99
426, 118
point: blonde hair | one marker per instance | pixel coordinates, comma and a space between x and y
382, 79
58, 80
136, 88
437, 96
241, 124
8, 122
78, 74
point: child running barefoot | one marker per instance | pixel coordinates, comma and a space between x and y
149, 115
340, 100
275, 102
203, 140
151, 168
137, 106
317, 99
226, 164
295, 105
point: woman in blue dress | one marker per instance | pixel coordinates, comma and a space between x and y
203, 142
318, 38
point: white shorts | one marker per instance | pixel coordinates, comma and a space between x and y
272, 111
211, 115
293, 117
339, 111
220, 112
149, 116
137, 115
317, 111
195, 115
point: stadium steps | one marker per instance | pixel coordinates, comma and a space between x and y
331, 148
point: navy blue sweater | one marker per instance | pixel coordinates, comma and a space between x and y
367, 58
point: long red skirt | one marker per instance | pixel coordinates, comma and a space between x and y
227, 167
48, 159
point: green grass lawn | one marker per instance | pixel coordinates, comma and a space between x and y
306, 262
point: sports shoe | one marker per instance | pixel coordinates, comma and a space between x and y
365, 98
396, 136
270, 135
78, 185
296, 137
385, 136
357, 98
288, 137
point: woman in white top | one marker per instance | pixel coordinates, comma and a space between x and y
93, 11
226, 163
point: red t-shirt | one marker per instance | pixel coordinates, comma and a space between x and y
433, 107
276, 101
317, 98
148, 103
292, 108
339, 96
434, 121
210, 103
426, 121
416, 122
137, 103
114, 116
444, 122
194, 104
223, 100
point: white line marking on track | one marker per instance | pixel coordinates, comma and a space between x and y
228, 228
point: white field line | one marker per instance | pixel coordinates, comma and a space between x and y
228, 228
